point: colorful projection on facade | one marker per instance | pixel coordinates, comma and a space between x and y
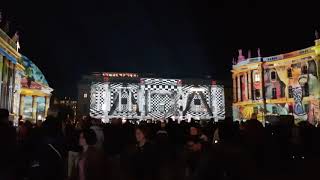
291, 86
33, 73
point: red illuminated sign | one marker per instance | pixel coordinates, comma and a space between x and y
117, 75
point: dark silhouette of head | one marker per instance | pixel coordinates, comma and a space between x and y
142, 133
194, 144
89, 136
226, 130
4, 116
51, 127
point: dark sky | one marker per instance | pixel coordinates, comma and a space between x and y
68, 38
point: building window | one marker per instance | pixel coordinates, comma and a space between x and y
290, 92
274, 93
257, 94
289, 73
197, 102
304, 69
85, 95
124, 101
256, 77
305, 89
273, 75
274, 110
306, 108
290, 109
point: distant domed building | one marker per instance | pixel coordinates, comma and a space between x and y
23, 88
35, 92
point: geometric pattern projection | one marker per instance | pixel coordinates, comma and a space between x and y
161, 95
98, 100
217, 96
155, 99
123, 99
197, 100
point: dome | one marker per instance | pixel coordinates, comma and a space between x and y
33, 72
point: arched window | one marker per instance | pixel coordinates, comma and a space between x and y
274, 110
290, 108
289, 72
257, 94
273, 75
305, 89
304, 69
274, 93
290, 92
312, 68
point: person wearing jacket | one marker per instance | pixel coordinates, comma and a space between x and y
7, 146
144, 160
96, 127
91, 164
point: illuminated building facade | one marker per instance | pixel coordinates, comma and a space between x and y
135, 96
35, 92
23, 88
10, 74
285, 84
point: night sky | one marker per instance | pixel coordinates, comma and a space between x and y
68, 38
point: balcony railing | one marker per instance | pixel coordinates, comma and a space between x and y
7, 39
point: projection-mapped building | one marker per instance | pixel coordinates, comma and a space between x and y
133, 96
285, 84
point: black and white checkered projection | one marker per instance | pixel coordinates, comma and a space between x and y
156, 99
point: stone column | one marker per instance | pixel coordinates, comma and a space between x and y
246, 85
34, 107
249, 85
214, 101
234, 88
21, 107
107, 99
179, 100
149, 101
47, 105
141, 100
120, 109
130, 103
239, 88
261, 83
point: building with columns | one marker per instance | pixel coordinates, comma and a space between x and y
10, 74
138, 96
23, 88
35, 92
285, 84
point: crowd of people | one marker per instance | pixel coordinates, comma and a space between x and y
64, 149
